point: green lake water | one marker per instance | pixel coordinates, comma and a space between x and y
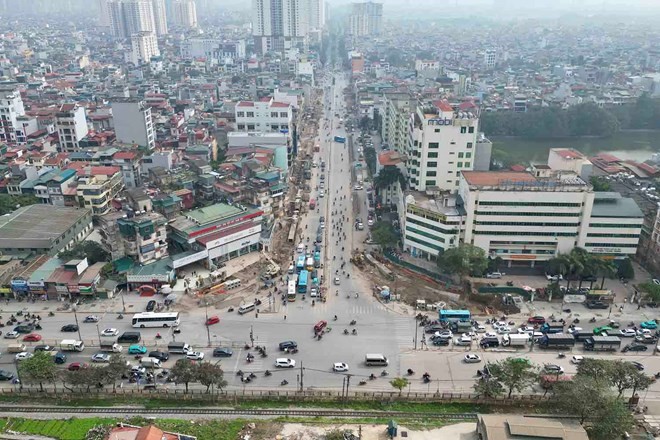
627, 145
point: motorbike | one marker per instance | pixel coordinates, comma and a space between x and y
120, 316
593, 319
51, 314
246, 346
37, 327
353, 322
561, 355
335, 318
577, 320
158, 336
319, 336
354, 332
410, 372
284, 382
384, 373
231, 309
363, 382
345, 331
372, 376
427, 379
268, 373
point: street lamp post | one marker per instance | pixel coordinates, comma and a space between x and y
98, 332
123, 305
75, 316
206, 311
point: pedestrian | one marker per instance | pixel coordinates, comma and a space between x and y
285, 317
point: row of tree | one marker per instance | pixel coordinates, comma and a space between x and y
40, 369
579, 264
588, 395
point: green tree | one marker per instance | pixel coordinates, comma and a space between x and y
90, 249
600, 183
625, 376
488, 388
9, 203
370, 159
514, 374
211, 375
612, 420
184, 371
114, 370
597, 369
389, 175
626, 269
651, 291
465, 259
384, 235
399, 383
39, 368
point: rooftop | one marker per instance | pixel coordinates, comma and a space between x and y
523, 181
612, 204
510, 427
32, 226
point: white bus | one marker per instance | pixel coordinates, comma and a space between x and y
151, 319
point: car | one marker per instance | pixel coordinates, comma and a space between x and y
319, 326
603, 330
138, 369
471, 358
597, 305
212, 320
336, 281
285, 363
110, 332
160, 355
504, 330
340, 367
222, 352
553, 369
573, 330
646, 339
137, 349
69, 328
627, 333
557, 277
43, 347
440, 341
433, 328
101, 358
494, 275
445, 334
32, 337
490, 335
650, 324
287, 345
24, 329
480, 328
637, 365
23, 355
635, 347
91, 318
464, 340
11, 335
195, 355
6, 375
59, 358
577, 359
151, 305
656, 281
538, 319
75, 366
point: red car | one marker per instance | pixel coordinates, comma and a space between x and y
212, 320
75, 366
536, 320
318, 328
32, 337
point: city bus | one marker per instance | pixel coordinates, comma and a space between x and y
151, 319
302, 281
454, 315
300, 263
291, 292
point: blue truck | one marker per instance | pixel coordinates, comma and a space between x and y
340, 139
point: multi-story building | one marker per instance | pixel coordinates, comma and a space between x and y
11, 107
264, 116
160, 17
144, 46
442, 144
185, 13
97, 186
144, 237
281, 24
395, 131
133, 123
128, 17
71, 126
316, 14
366, 18
490, 58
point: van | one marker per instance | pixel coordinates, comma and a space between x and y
150, 362
375, 360
16, 348
130, 337
178, 348
301, 248
246, 308
291, 270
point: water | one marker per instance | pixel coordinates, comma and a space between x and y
626, 145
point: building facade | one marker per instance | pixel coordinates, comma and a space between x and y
282, 24
97, 186
11, 107
128, 17
144, 46
395, 129
366, 18
133, 122
144, 237
71, 124
185, 13
264, 116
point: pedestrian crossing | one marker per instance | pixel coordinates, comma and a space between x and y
324, 309
403, 329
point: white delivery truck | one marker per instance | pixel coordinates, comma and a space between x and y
111, 347
515, 340
72, 345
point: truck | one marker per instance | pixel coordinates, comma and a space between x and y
340, 139
72, 345
515, 340
16, 348
111, 347
602, 343
317, 259
458, 327
582, 336
556, 340
178, 348
549, 327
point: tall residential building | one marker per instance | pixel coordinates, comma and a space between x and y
104, 13
397, 108
128, 17
316, 14
71, 124
160, 17
185, 13
490, 58
133, 123
281, 24
11, 108
442, 144
366, 18
144, 46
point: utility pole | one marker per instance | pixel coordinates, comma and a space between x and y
348, 382
123, 305
98, 333
251, 337
75, 316
206, 311
301, 376
416, 330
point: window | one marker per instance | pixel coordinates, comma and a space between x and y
469, 144
463, 130
432, 164
273, 114
250, 126
284, 114
432, 155
452, 143
459, 164
431, 174
241, 126
415, 143
468, 155
460, 155
437, 130
240, 114
434, 145
467, 164
250, 114
430, 183
471, 130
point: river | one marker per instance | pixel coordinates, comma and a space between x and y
628, 145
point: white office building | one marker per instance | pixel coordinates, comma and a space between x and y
264, 116
395, 131
71, 124
133, 123
278, 25
366, 19
144, 46
185, 13
11, 108
442, 144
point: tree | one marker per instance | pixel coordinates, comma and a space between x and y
488, 388
10, 203
383, 234
465, 259
514, 374
604, 269
39, 368
90, 249
389, 175
210, 375
626, 270
114, 370
597, 369
399, 383
494, 264
651, 291
613, 420
600, 184
184, 371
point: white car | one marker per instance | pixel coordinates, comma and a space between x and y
627, 333
285, 363
110, 332
101, 357
11, 335
490, 335
339, 367
480, 328
445, 334
23, 355
573, 330
195, 355
504, 330
471, 358
558, 277
494, 275
463, 340
336, 281
577, 359
527, 329
91, 318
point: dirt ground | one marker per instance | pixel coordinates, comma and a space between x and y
295, 431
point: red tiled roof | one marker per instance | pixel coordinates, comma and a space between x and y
245, 104
98, 171
214, 236
570, 154
443, 105
67, 107
279, 104
124, 155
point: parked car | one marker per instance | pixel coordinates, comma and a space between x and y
553, 369
11, 335
75, 366
557, 277
212, 320
494, 275
6, 375
540, 320
23, 355
69, 328
577, 359
222, 352
597, 305
151, 305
